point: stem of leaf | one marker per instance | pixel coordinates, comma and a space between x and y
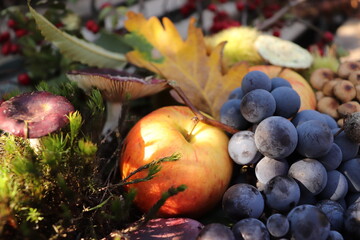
201, 117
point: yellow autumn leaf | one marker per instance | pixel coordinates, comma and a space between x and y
197, 73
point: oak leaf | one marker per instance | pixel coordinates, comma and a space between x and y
198, 73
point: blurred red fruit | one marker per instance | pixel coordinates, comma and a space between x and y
276, 33
6, 48
92, 26
14, 48
21, 32
24, 79
212, 7
105, 5
240, 6
328, 36
11, 23
5, 36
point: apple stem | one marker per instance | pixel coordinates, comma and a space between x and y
195, 121
199, 115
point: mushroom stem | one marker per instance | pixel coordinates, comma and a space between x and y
34, 143
113, 114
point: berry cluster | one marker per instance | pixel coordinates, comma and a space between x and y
251, 9
8, 45
92, 26
299, 168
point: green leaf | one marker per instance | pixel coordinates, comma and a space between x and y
75, 48
112, 42
139, 43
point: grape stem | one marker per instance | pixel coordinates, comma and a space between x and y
198, 115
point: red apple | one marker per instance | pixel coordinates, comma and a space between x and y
204, 167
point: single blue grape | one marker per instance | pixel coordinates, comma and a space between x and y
308, 222
230, 115
330, 121
352, 220
334, 213
255, 80
278, 225
310, 174
332, 159
267, 168
257, 105
336, 186
250, 229
287, 101
348, 148
243, 200
306, 115
215, 231
351, 170
279, 82
242, 148
282, 193
335, 235
237, 93
314, 139
276, 137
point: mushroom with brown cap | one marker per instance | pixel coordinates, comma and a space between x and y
116, 87
32, 115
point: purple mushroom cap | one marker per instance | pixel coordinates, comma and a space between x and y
34, 114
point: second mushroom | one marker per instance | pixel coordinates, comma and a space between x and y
116, 87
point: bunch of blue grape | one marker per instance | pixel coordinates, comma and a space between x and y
298, 174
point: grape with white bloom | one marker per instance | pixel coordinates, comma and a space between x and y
242, 148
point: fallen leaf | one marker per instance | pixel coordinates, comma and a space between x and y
77, 49
186, 62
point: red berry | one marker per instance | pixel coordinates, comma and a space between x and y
220, 16
6, 48
59, 25
212, 7
274, 7
23, 79
223, 1
187, 8
95, 28
252, 6
268, 13
105, 5
90, 23
92, 26
21, 32
240, 6
5, 36
14, 48
328, 36
11, 23
276, 33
